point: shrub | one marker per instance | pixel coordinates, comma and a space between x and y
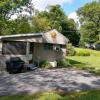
97, 45
70, 50
82, 52
86, 52
63, 63
97, 72
45, 64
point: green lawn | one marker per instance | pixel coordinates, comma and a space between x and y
85, 61
85, 95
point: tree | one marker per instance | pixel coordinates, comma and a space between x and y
7, 8
40, 24
57, 19
20, 25
10, 5
90, 22
69, 29
23, 26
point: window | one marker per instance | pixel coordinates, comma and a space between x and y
62, 46
48, 46
14, 48
31, 48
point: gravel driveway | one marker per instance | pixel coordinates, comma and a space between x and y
47, 80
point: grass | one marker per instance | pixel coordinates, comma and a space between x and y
86, 52
90, 63
84, 95
85, 61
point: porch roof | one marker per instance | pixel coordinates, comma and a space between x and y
20, 35
53, 37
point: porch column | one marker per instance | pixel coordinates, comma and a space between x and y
0, 47
27, 51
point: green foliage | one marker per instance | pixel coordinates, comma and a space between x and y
45, 64
97, 45
54, 18
7, 5
17, 26
97, 72
89, 16
23, 26
69, 29
58, 20
63, 63
82, 52
8, 8
86, 52
40, 24
70, 49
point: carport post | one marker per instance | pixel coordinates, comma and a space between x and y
27, 51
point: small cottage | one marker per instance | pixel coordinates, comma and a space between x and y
34, 47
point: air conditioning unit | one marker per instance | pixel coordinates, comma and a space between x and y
56, 48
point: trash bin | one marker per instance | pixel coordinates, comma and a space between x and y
14, 65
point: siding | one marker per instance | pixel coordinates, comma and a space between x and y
41, 54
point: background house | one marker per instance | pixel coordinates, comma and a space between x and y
35, 47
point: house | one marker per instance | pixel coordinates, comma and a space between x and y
35, 47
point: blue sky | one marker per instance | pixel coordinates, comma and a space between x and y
69, 6
72, 7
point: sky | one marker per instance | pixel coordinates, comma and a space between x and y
69, 6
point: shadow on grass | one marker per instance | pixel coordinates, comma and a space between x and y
76, 63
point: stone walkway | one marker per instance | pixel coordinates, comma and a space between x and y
47, 80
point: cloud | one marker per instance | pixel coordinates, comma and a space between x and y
74, 16
42, 4
13, 17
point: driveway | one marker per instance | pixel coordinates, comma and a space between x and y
66, 80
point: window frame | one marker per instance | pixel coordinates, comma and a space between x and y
48, 46
22, 43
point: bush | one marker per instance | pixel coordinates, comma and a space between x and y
86, 52
63, 63
45, 64
70, 50
97, 72
82, 52
97, 45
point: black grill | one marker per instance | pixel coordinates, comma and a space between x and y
14, 65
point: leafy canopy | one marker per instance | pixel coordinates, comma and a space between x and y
56, 19
90, 22
7, 5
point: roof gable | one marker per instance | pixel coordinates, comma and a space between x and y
54, 37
